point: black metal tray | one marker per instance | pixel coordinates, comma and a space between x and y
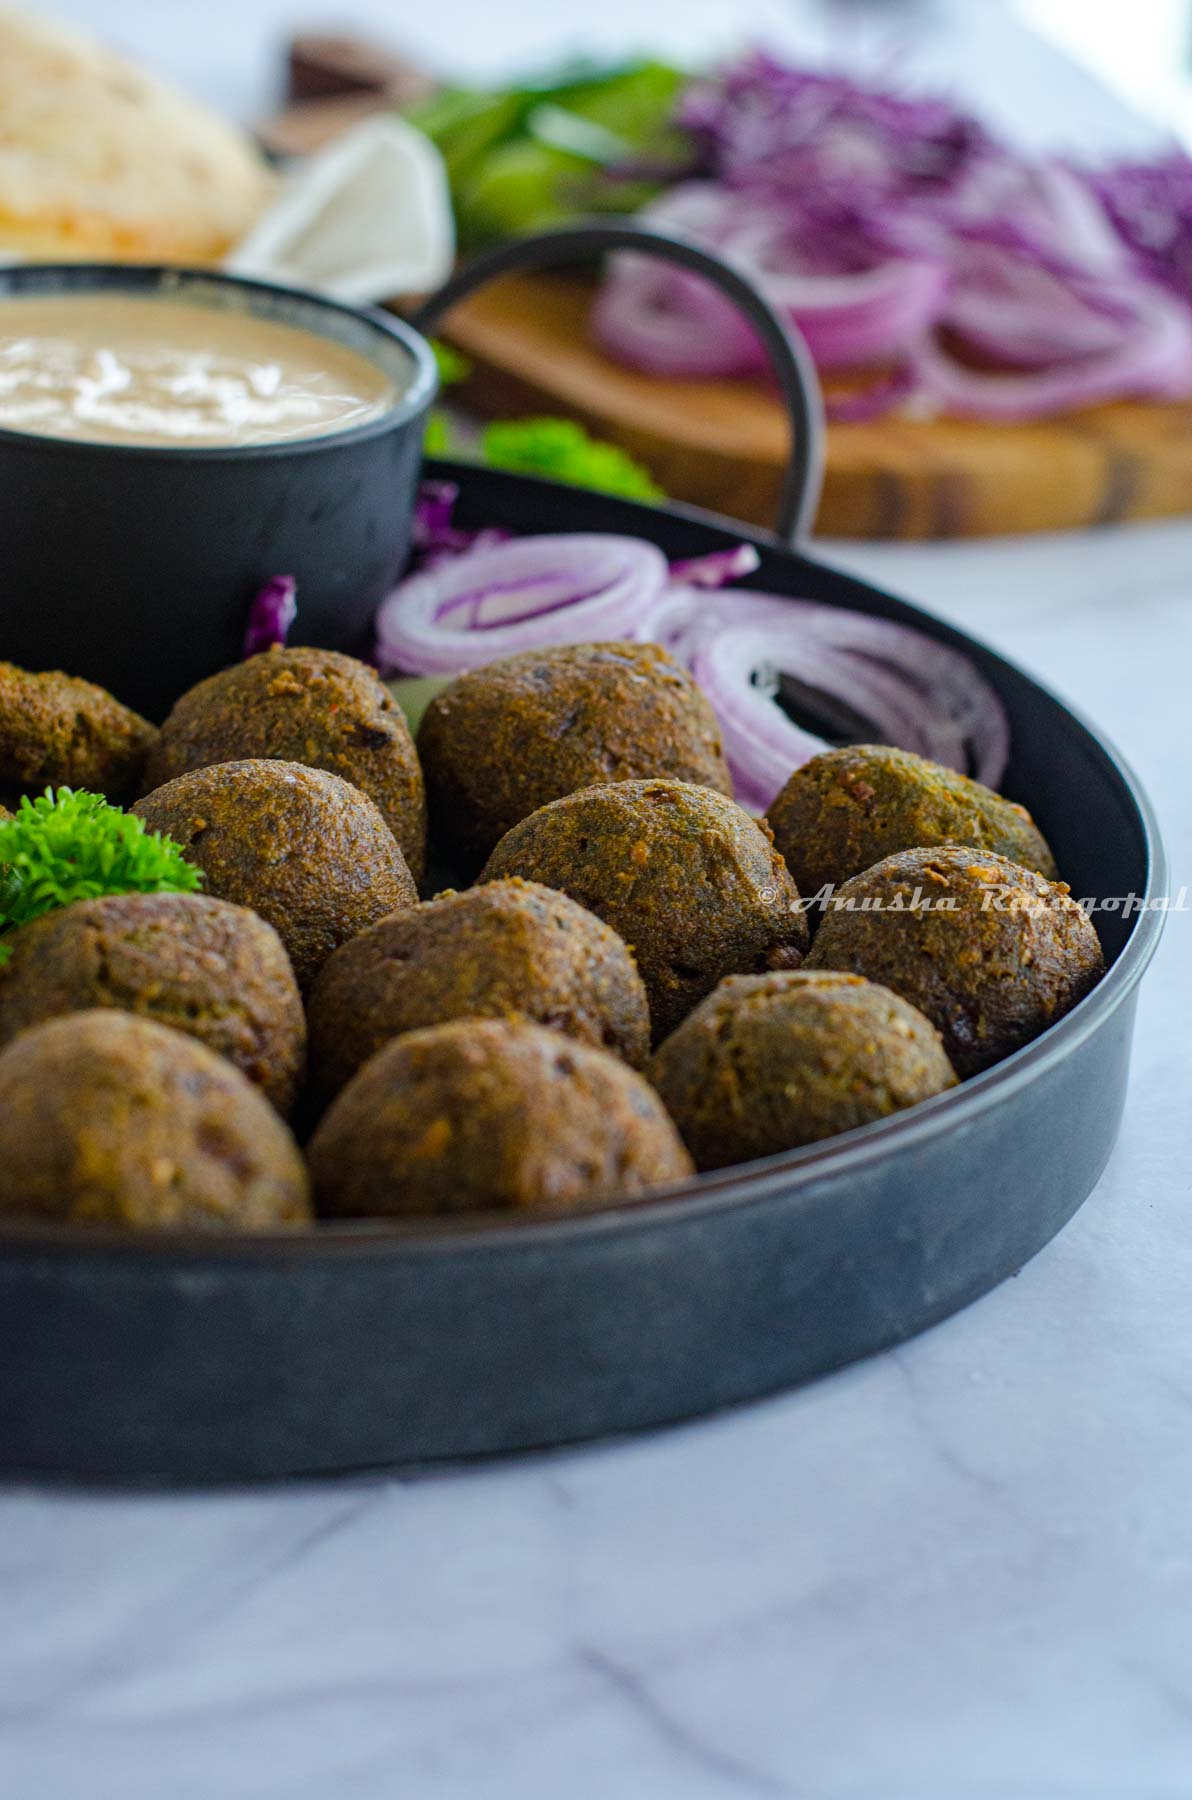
200, 1359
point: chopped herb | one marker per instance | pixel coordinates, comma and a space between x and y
562, 450
75, 846
453, 367
439, 439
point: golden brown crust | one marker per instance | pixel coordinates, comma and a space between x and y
770, 1062
847, 809
59, 731
991, 952
509, 950
107, 1119
214, 971
316, 707
507, 739
306, 850
483, 1114
691, 883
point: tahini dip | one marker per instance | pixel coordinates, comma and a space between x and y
133, 369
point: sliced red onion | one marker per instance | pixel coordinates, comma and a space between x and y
738, 644
1018, 314
854, 405
914, 691
1152, 360
644, 321
851, 320
1041, 211
1079, 227
762, 745
671, 322
898, 235
521, 595
271, 616
956, 697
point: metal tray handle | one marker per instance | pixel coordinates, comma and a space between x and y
789, 356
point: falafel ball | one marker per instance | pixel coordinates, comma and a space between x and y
485, 1113
509, 738
847, 809
305, 849
58, 731
993, 953
769, 1062
217, 972
512, 949
687, 878
108, 1119
316, 707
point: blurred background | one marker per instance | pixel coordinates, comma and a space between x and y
978, 212
1141, 53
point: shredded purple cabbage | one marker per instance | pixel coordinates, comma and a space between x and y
902, 239
847, 157
1150, 205
434, 536
271, 616
763, 116
716, 569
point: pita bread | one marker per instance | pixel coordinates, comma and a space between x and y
103, 162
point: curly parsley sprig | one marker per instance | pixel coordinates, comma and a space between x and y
68, 846
562, 450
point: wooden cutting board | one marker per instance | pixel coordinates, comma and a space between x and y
722, 444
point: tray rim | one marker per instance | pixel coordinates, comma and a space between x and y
717, 1190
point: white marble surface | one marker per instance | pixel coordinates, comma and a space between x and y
961, 1571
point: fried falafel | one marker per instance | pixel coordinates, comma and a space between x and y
511, 949
316, 707
991, 952
59, 731
303, 848
214, 971
488, 1114
770, 1062
506, 739
686, 877
847, 809
109, 1119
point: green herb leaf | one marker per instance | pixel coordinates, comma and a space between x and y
75, 846
453, 367
439, 439
555, 145
563, 451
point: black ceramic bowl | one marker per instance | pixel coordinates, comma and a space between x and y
202, 1358
135, 565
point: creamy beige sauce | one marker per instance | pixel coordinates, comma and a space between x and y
127, 369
